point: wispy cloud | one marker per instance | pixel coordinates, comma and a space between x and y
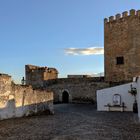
84, 51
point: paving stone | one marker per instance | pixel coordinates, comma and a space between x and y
73, 122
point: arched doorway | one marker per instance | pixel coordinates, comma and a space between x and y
65, 97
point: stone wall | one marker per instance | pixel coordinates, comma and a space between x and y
78, 89
35, 75
18, 101
122, 39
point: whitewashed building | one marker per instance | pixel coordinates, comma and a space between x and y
118, 98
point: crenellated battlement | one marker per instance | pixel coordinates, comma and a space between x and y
125, 14
121, 46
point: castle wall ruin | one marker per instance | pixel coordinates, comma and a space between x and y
79, 90
36, 75
18, 101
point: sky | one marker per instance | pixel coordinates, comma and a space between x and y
65, 34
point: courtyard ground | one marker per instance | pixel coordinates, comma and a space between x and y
73, 122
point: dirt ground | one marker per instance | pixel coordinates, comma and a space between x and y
73, 122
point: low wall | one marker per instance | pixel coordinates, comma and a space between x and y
18, 101
105, 96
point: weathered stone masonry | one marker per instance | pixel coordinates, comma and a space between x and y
35, 75
122, 46
64, 89
18, 101
78, 89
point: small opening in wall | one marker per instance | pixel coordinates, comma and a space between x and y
119, 60
65, 97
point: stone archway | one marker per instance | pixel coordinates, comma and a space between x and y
65, 97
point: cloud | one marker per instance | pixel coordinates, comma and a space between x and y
84, 51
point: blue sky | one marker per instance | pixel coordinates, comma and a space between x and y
39, 32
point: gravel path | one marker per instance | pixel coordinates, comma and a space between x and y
73, 122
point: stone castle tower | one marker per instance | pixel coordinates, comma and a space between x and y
122, 46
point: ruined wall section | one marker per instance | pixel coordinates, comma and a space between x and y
50, 73
79, 89
18, 101
35, 75
5, 89
30, 102
122, 39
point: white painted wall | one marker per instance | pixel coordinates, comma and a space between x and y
105, 96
